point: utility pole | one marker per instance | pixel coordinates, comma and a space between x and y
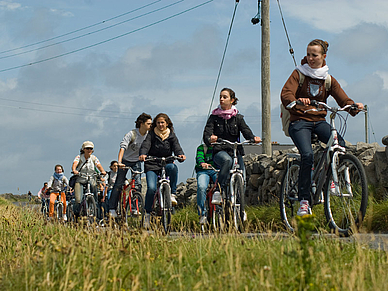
366, 124
265, 79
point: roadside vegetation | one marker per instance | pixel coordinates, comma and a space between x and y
36, 255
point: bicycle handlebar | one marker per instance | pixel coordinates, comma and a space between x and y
316, 104
225, 141
132, 170
152, 158
86, 175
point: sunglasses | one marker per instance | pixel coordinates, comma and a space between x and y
89, 149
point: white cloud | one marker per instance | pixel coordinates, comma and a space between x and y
363, 43
335, 16
9, 5
384, 76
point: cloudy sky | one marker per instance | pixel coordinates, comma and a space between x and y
78, 70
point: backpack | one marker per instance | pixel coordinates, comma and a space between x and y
285, 113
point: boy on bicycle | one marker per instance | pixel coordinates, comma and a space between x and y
204, 162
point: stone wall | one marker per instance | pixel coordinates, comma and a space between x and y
264, 173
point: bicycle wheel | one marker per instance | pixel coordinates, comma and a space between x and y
238, 207
218, 218
167, 208
345, 210
134, 210
289, 195
59, 210
70, 213
45, 212
91, 209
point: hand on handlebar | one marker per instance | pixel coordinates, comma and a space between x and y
213, 138
182, 158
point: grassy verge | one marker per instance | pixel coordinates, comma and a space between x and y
35, 255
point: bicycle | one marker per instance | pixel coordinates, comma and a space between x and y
70, 202
45, 208
338, 181
162, 206
131, 203
214, 212
234, 199
58, 208
88, 202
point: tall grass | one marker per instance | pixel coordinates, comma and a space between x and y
35, 255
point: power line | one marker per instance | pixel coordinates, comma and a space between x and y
80, 29
291, 50
92, 32
108, 40
223, 57
114, 116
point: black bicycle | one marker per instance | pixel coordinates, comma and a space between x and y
338, 181
162, 208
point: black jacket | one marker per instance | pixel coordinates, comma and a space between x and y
228, 129
154, 146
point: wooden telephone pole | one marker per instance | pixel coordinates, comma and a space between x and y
265, 79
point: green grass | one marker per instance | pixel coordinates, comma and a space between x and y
35, 255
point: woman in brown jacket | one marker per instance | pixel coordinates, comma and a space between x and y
315, 70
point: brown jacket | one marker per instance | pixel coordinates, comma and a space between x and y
313, 89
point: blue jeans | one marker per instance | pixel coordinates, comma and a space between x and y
300, 133
225, 162
203, 178
120, 180
152, 181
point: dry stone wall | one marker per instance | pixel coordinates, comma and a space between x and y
264, 173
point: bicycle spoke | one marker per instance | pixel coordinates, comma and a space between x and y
345, 205
289, 195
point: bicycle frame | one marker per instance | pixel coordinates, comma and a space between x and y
162, 181
330, 156
131, 185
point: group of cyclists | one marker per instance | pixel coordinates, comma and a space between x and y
156, 137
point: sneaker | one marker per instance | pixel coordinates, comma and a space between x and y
203, 219
112, 213
136, 212
217, 199
245, 217
304, 208
64, 217
173, 200
147, 219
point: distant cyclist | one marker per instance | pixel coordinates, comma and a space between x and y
129, 156
110, 180
57, 184
86, 163
226, 123
302, 125
161, 142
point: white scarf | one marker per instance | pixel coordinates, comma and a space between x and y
320, 73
